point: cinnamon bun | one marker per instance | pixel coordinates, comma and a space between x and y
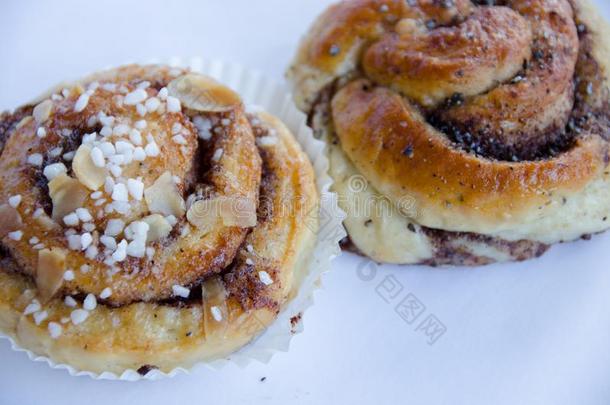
462, 132
148, 221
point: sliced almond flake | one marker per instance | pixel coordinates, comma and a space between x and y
204, 214
239, 211
23, 122
214, 303
67, 195
86, 171
50, 272
163, 197
10, 220
46, 222
42, 111
202, 93
159, 227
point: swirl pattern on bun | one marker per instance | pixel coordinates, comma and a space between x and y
492, 118
148, 221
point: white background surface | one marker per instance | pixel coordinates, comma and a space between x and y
534, 333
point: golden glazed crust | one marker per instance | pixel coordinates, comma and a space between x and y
223, 309
369, 124
510, 152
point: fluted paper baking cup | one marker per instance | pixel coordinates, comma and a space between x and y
258, 91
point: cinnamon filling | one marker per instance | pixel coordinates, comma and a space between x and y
447, 253
242, 281
585, 117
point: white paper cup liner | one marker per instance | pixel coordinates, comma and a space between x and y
258, 91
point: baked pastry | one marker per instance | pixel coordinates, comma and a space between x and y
461, 132
148, 221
